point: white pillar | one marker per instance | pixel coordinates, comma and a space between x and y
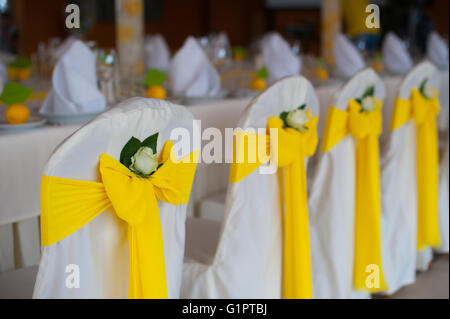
331, 26
130, 37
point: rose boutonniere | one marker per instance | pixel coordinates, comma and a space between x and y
367, 100
425, 89
141, 157
296, 119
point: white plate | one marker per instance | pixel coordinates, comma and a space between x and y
69, 118
245, 93
33, 122
189, 100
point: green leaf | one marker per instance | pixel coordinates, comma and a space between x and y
369, 92
154, 77
129, 150
151, 142
21, 63
263, 73
283, 116
239, 50
422, 86
301, 107
321, 62
15, 93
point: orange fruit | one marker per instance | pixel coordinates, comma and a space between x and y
258, 84
12, 73
378, 66
23, 74
17, 114
322, 74
238, 57
156, 92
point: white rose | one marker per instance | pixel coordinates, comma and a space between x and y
428, 92
144, 161
368, 104
297, 119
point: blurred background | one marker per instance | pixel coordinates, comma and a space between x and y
26, 23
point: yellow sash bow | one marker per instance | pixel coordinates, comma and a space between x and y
423, 111
365, 127
67, 205
292, 147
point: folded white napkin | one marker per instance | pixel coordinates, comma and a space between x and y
191, 74
396, 58
74, 83
157, 53
437, 50
348, 60
278, 57
63, 47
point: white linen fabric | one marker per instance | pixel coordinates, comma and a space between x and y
278, 57
191, 73
100, 248
332, 203
396, 58
347, 58
437, 50
74, 82
443, 116
444, 200
247, 261
399, 187
157, 53
64, 47
443, 169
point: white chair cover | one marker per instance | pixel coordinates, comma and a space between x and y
332, 203
444, 200
100, 248
399, 187
443, 169
247, 261
443, 117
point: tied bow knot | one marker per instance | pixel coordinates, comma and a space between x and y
67, 205
287, 147
362, 124
423, 109
365, 127
291, 143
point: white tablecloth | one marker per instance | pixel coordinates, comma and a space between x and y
24, 154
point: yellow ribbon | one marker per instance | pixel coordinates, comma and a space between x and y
292, 147
67, 205
423, 111
365, 127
